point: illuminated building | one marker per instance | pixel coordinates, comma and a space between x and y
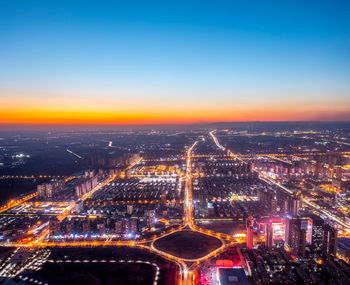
69, 227
129, 209
86, 226
232, 276
211, 210
289, 222
268, 200
150, 216
294, 206
163, 199
269, 236
101, 227
278, 230
47, 190
118, 227
133, 226
306, 224
273, 207
330, 240
85, 186
54, 226
250, 222
317, 231
250, 238
295, 236
130, 226
204, 203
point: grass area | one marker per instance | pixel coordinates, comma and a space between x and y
97, 273
105, 273
188, 244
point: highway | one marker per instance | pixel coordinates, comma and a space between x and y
263, 177
186, 266
188, 209
76, 155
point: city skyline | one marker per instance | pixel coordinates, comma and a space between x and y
174, 142
161, 63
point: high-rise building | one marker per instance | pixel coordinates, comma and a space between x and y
294, 205
130, 227
47, 190
101, 227
269, 236
54, 226
163, 199
278, 230
133, 226
150, 216
41, 191
307, 224
129, 209
118, 227
296, 236
330, 240
297, 240
204, 203
250, 237
250, 222
86, 226
84, 186
273, 207
69, 227
317, 232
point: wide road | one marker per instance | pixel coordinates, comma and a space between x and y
186, 271
263, 177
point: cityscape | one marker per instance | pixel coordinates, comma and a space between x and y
201, 206
174, 143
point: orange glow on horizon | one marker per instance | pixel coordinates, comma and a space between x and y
142, 112
170, 117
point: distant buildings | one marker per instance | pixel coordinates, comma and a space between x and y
85, 186
47, 190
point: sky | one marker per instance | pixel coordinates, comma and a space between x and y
163, 62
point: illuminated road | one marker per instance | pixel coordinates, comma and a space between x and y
263, 177
188, 206
14, 203
76, 155
186, 266
216, 141
309, 203
98, 187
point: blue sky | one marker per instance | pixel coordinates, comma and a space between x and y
224, 54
